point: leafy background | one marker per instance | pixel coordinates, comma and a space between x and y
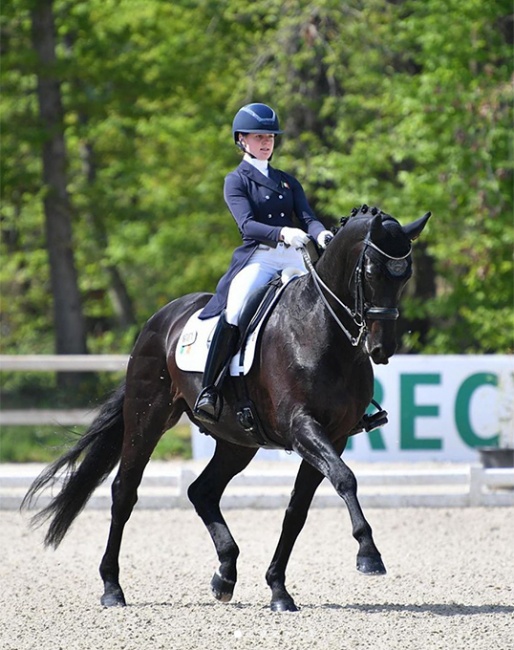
404, 104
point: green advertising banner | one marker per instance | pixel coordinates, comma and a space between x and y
441, 408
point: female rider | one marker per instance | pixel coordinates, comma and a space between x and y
262, 201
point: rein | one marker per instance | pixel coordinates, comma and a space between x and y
319, 284
394, 265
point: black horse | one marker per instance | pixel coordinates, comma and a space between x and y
310, 387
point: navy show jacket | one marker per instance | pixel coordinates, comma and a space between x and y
261, 207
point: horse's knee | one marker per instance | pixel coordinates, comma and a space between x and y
346, 484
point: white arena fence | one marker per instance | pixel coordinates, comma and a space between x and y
57, 363
165, 485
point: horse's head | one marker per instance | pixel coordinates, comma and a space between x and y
378, 265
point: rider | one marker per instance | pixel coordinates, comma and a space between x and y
262, 201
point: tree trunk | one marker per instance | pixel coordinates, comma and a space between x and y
118, 293
69, 322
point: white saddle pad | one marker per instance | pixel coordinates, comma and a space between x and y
194, 342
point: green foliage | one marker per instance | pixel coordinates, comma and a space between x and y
43, 444
23, 444
406, 105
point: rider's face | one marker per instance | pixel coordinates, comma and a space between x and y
259, 145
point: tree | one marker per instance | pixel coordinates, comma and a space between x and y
401, 104
418, 117
70, 332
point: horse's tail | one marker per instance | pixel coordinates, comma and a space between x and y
101, 445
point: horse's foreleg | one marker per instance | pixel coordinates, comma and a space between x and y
205, 494
140, 439
314, 447
307, 481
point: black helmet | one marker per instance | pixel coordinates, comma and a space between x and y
255, 118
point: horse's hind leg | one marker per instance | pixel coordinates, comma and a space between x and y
307, 481
145, 422
205, 494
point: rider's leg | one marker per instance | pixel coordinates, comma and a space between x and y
222, 348
254, 275
224, 341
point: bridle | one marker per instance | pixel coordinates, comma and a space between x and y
396, 266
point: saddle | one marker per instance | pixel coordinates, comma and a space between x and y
193, 344
256, 305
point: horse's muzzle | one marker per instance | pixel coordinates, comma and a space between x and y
382, 313
379, 354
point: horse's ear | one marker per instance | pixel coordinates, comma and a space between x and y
413, 230
375, 228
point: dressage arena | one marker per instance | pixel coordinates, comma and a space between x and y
450, 583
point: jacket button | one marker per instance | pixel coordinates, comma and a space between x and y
269, 216
280, 196
267, 197
282, 214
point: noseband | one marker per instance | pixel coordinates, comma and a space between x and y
396, 266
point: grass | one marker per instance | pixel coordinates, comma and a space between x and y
43, 444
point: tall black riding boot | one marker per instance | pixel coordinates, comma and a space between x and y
221, 350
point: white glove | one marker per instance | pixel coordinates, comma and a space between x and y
294, 237
324, 237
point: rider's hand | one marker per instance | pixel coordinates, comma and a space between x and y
294, 237
324, 238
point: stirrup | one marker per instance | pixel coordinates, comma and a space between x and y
370, 422
211, 399
375, 421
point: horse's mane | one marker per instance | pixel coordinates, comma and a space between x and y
367, 212
395, 242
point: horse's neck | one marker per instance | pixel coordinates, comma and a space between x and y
306, 315
335, 270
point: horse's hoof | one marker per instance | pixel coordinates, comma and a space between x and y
222, 589
113, 597
371, 565
284, 603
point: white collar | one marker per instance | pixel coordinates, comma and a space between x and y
260, 165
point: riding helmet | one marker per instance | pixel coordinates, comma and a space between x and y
255, 118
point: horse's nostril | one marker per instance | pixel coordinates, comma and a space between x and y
380, 354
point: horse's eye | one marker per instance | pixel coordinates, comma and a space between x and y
370, 269
397, 267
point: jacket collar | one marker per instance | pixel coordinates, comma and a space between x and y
272, 181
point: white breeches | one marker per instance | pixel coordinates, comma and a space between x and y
261, 267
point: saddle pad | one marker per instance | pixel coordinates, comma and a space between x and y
194, 342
